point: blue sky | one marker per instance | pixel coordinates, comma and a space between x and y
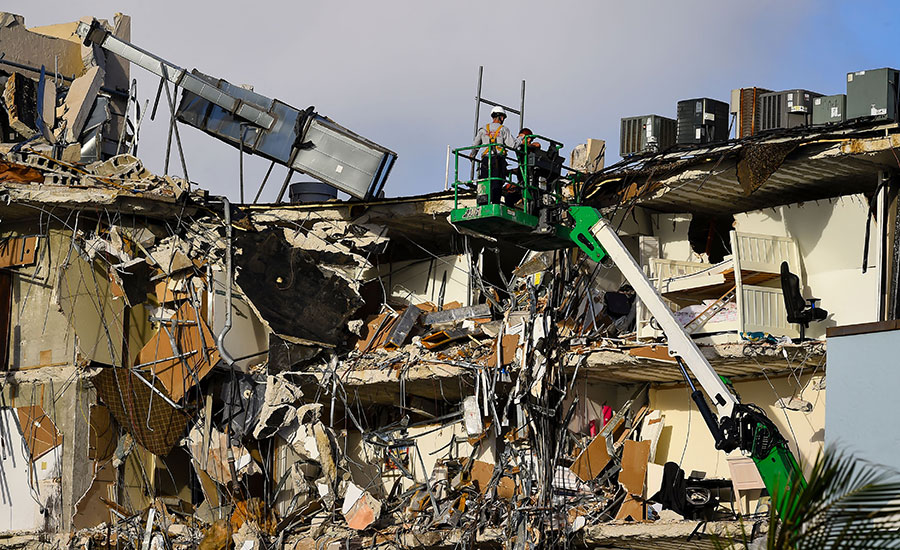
402, 73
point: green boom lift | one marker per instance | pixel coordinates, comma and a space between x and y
540, 209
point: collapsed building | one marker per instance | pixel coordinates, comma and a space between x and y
181, 371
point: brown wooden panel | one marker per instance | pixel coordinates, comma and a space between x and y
18, 251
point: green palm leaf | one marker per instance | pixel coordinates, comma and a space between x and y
847, 503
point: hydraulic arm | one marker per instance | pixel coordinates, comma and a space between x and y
734, 425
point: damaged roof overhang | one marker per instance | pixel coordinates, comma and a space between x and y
705, 179
20, 201
416, 226
736, 360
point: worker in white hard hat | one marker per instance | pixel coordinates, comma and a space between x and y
493, 158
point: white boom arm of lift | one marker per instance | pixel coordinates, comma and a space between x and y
680, 343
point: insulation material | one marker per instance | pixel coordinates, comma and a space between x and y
10, 172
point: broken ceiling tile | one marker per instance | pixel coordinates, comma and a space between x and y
635, 455
179, 368
481, 474
18, 251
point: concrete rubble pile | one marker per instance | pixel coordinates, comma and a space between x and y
183, 372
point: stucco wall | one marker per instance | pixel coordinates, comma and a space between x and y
862, 387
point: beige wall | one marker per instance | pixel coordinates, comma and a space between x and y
830, 236
672, 232
420, 281
39, 332
804, 431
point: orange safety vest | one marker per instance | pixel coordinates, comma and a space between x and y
493, 139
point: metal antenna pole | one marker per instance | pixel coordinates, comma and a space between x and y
478, 100
477, 114
287, 179
522, 109
241, 156
265, 179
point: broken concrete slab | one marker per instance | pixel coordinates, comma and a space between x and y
171, 255
33, 49
78, 104
219, 455
278, 410
20, 100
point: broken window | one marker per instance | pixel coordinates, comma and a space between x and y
709, 235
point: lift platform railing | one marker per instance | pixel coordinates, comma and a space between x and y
523, 178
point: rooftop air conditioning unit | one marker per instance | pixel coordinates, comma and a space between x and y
787, 109
745, 105
873, 93
648, 133
829, 109
702, 120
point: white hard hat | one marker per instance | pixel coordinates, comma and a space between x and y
497, 111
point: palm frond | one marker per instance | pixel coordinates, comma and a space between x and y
847, 503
